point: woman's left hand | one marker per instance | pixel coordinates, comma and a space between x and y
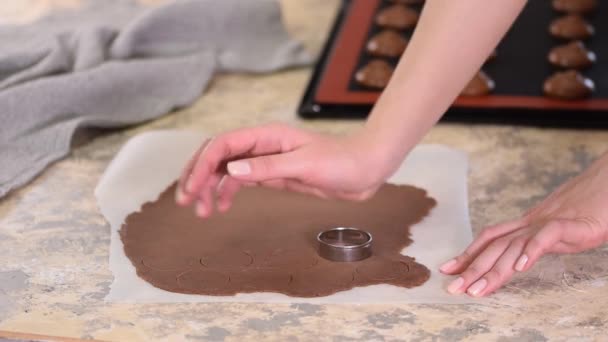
572, 219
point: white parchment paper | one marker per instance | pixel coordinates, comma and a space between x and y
150, 162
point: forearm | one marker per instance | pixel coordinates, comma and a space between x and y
451, 42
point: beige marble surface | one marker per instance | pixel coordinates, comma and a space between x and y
54, 242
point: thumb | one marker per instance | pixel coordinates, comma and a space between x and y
259, 169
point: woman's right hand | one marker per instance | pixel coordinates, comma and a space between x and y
280, 156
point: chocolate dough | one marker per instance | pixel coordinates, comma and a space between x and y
387, 43
480, 85
568, 85
397, 17
571, 26
575, 6
375, 74
572, 55
267, 243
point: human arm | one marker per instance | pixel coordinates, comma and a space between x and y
452, 40
571, 220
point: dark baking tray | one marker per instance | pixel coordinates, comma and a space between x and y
519, 76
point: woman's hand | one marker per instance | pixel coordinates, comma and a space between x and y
572, 219
283, 157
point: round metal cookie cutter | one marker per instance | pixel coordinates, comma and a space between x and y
345, 244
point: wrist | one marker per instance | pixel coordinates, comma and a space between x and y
377, 153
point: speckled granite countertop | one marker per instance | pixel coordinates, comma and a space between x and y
54, 242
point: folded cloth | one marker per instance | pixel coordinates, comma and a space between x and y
113, 63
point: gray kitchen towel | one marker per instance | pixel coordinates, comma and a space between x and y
113, 63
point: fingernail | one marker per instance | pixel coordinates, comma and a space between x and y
180, 198
447, 266
475, 289
454, 287
190, 185
239, 168
521, 263
201, 210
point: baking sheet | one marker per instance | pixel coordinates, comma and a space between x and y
150, 162
518, 97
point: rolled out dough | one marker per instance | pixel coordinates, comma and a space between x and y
267, 243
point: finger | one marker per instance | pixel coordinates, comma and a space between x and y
205, 204
294, 186
480, 266
253, 141
183, 197
278, 184
226, 191
297, 186
503, 269
271, 167
489, 234
540, 243
357, 196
